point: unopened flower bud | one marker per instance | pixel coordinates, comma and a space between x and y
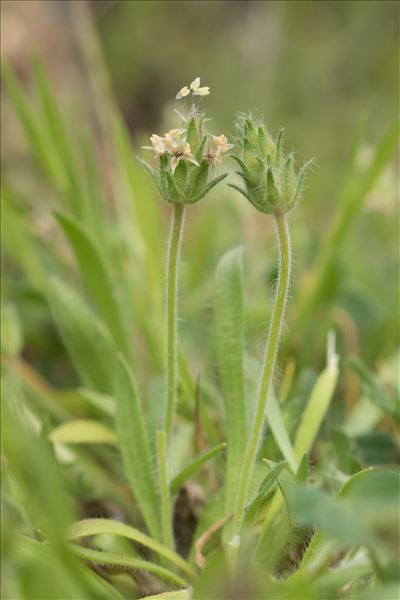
272, 184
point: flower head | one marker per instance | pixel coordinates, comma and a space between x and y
272, 183
185, 155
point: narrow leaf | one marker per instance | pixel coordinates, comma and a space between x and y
128, 562
97, 278
239, 189
280, 433
83, 432
229, 340
88, 342
265, 486
194, 467
98, 526
316, 409
135, 448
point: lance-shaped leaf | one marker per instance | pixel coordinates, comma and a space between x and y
128, 562
89, 344
279, 144
208, 188
229, 340
135, 449
90, 527
97, 278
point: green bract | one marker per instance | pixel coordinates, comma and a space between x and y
186, 159
272, 183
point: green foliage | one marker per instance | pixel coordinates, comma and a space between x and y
97, 278
83, 237
89, 343
135, 448
229, 332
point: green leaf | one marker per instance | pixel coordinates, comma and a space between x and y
83, 432
317, 509
280, 433
88, 342
135, 449
302, 471
128, 562
371, 497
208, 188
316, 409
32, 127
50, 577
98, 526
194, 467
239, 189
59, 143
229, 342
199, 151
98, 279
191, 134
375, 389
265, 486
279, 145
180, 176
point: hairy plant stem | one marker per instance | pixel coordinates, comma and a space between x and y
277, 317
172, 315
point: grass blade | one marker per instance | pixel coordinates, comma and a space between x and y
229, 340
194, 467
83, 431
280, 433
32, 127
97, 278
128, 562
88, 342
265, 485
135, 448
90, 527
318, 404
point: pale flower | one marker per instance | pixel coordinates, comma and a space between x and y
158, 144
221, 143
220, 146
183, 92
195, 84
201, 91
182, 152
171, 139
